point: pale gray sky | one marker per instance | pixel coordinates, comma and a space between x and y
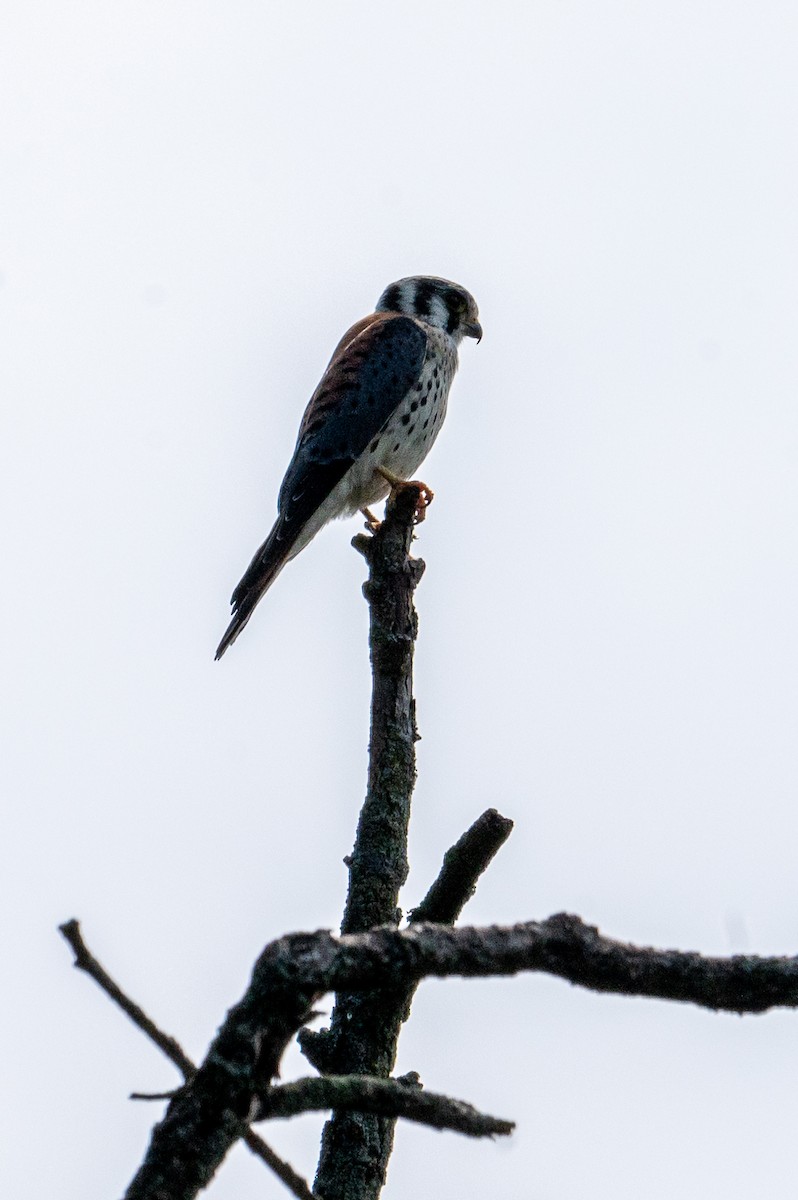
196, 201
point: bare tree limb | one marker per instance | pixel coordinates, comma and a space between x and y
207, 1116
463, 863
85, 961
374, 968
563, 945
360, 1039
456, 883
212, 1111
386, 1097
378, 864
364, 1026
462, 866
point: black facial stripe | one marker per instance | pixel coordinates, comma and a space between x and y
390, 300
454, 304
424, 293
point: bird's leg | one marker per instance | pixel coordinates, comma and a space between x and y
372, 524
425, 494
394, 480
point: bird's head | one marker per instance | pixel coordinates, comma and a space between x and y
436, 301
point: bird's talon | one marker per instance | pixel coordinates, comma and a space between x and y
425, 498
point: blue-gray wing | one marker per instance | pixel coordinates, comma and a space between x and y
373, 369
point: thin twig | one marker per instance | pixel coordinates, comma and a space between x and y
85, 961
385, 1097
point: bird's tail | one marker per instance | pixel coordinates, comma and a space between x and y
261, 573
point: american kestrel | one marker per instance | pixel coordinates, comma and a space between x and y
369, 424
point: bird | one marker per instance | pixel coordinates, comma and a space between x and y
369, 424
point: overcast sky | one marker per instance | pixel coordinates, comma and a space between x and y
196, 200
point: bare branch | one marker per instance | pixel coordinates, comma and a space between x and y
462, 866
378, 864
385, 1097
455, 885
208, 1115
563, 945
463, 863
374, 970
85, 961
212, 1111
364, 1026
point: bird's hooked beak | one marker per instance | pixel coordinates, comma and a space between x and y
473, 329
